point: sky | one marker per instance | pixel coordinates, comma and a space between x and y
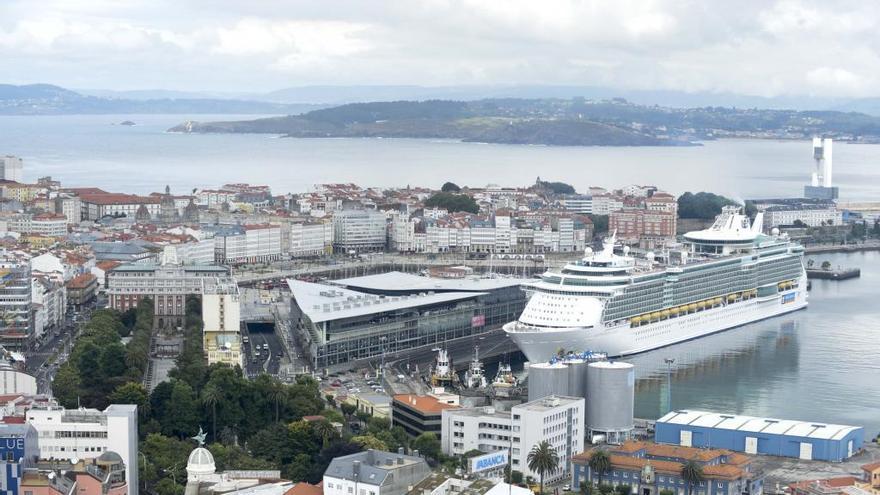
755, 47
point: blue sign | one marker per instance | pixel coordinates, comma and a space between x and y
787, 298
489, 462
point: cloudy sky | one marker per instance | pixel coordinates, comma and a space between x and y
757, 47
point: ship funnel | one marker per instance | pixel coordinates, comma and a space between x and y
758, 224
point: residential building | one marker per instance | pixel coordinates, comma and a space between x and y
257, 243
634, 224
47, 224
75, 434
359, 230
649, 468
214, 198
376, 405
49, 302
310, 239
18, 452
103, 475
11, 168
793, 211
17, 324
558, 420
81, 290
418, 414
221, 319
70, 206
374, 472
769, 436
363, 318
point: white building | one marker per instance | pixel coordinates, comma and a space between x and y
87, 433
70, 206
810, 215
256, 243
559, 420
310, 239
49, 300
374, 472
605, 204
359, 230
199, 252
221, 317
214, 198
48, 224
11, 168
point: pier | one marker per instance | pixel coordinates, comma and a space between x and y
833, 274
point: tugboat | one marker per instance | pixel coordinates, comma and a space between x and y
505, 377
474, 377
442, 374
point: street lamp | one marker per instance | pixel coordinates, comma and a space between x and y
669, 362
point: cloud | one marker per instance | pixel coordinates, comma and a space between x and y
750, 46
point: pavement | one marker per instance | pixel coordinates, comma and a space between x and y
263, 351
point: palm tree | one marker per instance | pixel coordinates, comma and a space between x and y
325, 430
691, 473
277, 394
543, 459
210, 397
600, 463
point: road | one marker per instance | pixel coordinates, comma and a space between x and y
56, 342
262, 353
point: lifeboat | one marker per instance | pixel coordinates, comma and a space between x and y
655, 315
665, 313
701, 304
635, 320
674, 311
731, 298
692, 306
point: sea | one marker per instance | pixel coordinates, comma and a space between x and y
820, 364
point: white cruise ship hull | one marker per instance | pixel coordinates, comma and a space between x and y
540, 344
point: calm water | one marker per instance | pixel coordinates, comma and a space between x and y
89, 150
820, 364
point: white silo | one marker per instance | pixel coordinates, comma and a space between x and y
611, 396
577, 377
547, 379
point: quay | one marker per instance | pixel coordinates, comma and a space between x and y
833, 274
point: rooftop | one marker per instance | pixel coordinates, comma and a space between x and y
374, 467
753, 424
399, 281
322, 302
423, 403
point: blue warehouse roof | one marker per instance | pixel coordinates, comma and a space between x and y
750, 424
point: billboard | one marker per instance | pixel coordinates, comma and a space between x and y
489, 462
478, 321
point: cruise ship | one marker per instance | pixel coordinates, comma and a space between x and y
725, 276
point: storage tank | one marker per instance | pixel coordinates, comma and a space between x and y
547, 379
577, 377
611, 392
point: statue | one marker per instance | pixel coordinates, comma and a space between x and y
200, 437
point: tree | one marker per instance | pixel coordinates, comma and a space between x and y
326, 431
66, 385
211, 395
623, 489
600, 463
132, 393
453, 202
182, 414
691, 473
702, 205
368, 442
516, 477
543, 459
450, 187
428, 445
826, 265
556, 187
278, 393
347, 409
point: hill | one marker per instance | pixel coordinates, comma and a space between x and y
46, 99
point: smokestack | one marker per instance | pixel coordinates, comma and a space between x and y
826, 154
356, 469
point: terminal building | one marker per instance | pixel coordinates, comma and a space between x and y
360, 319
768, 436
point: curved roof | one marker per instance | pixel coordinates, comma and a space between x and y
111, 457
200, 462
771, 426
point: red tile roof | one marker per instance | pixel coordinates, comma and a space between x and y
303, 488
423, 403
81, 281
871, 467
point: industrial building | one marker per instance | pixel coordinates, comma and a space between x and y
768, 436
364, 318
607, 386
559, 420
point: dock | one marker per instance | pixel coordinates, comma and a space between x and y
833, 273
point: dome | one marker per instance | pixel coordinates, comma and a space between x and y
110, 457
200, 462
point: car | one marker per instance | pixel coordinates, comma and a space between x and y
245, 339
265, 347
279, 354
567, 488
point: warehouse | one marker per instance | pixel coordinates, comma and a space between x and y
779, 437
